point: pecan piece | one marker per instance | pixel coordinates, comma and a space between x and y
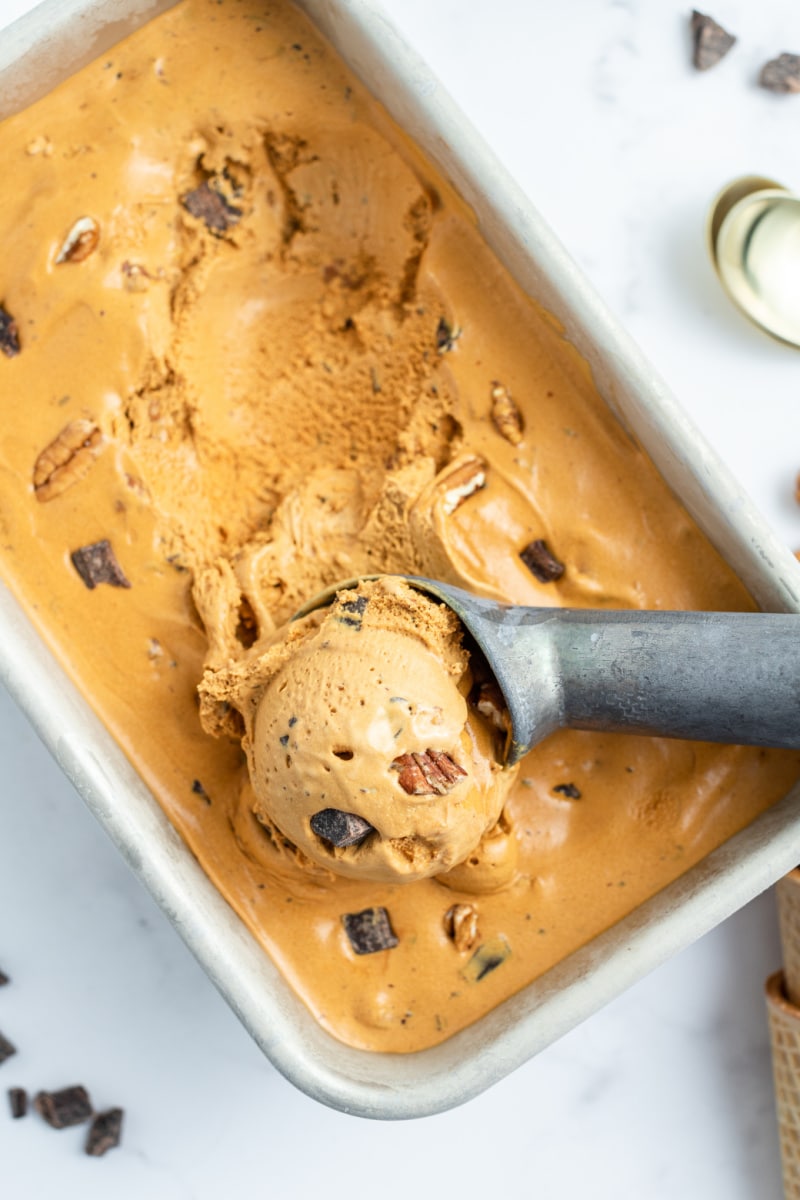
490, 703
506, 417
430, 774
9, 334
80, 241
66, 459
461, 925
541, 563
466, 478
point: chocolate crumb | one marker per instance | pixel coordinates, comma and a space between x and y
199, 790
369, 930
781, 74
18, 1102
9, 334
6, 1049
340, 828
540, 562
446, 336
105, 1132
69, 1106
97, 563
211, 207
711, 41
569, 790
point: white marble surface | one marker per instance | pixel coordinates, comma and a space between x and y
667, 1092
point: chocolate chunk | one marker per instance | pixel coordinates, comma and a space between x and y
97, 563
430, 774
540, 562
487, 958
70, 1106
711, 41
4, 979
369, 930
340, 828
446, 336
9, 334
781, 74
105, 1132
211, 207
6, 1049
569, 790
18, 1101
353, 611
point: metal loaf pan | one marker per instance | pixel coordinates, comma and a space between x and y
37, 52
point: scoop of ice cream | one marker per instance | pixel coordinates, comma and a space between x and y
362, 746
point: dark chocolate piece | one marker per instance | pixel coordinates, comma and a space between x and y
569, 790
18, 1101
199, 790
6, 1049
97, 563
430, 774
69, 1106
105, 1132
711, 41
211, 207
9, 334
540, 562
4, 979
487, 958
781, 74
340, 828
369, 930
353, 611
446, 336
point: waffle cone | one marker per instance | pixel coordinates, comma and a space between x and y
784, 1028
788, 892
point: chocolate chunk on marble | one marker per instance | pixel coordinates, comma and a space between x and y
18, 1102
370, 930
105, 1132
61, 1109
7, 1048
781, 74
711, 41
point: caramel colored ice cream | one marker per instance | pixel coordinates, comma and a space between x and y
251, 344
361, 745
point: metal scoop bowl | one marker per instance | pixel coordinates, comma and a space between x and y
705, 676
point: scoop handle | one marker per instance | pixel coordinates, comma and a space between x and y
717, 677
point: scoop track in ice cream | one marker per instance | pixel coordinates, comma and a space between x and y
288, 359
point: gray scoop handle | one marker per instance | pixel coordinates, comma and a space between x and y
718, 677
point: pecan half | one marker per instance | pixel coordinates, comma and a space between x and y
506, 417
80, 241
468, 477
430, 774
461, 925
66, 459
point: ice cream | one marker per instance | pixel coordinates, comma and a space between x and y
362, 747
251, 345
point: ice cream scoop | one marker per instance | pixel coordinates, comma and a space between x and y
753, 234
706, 676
